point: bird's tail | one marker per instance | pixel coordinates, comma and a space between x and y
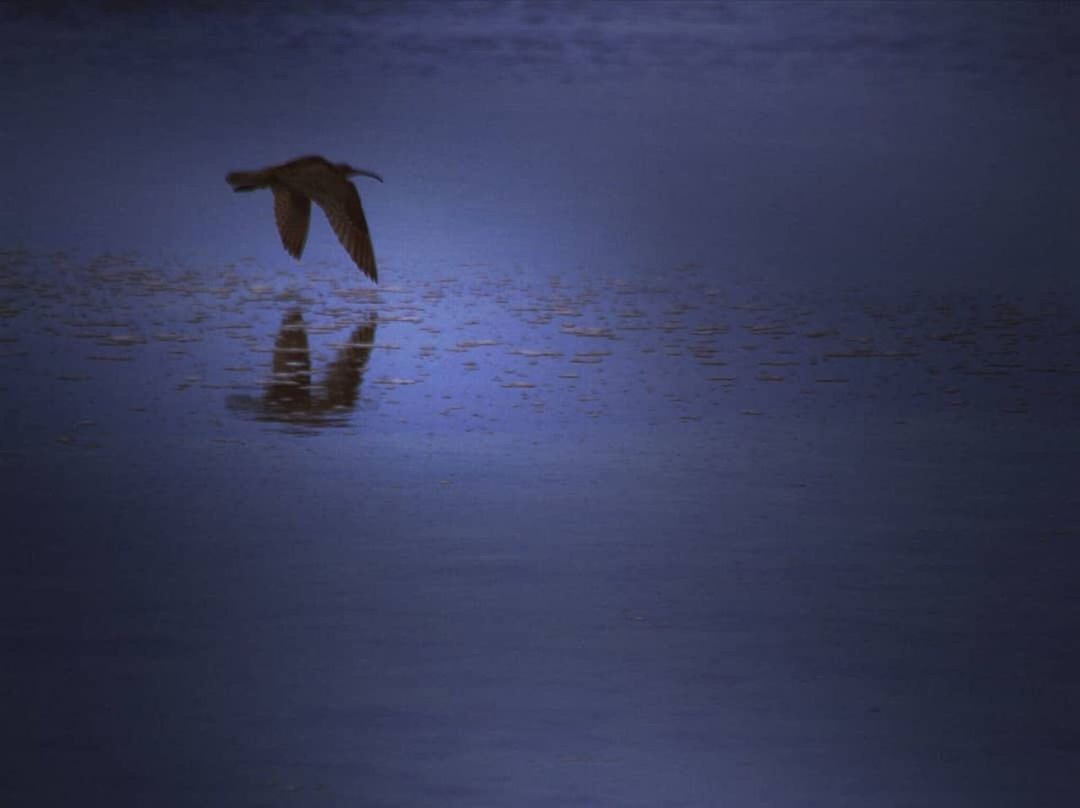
246, 180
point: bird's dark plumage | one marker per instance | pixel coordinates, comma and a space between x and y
298, 183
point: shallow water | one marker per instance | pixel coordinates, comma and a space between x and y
490, 540
710, 439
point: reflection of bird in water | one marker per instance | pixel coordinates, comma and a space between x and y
298, 183
290, 397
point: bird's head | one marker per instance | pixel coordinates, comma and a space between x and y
350, 171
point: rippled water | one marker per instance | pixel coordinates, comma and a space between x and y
518, 540
710, 439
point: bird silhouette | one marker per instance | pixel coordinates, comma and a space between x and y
298, 183
289, 397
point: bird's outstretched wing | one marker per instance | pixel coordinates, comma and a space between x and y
293, 214
346, 217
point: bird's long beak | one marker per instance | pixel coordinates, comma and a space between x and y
364, 173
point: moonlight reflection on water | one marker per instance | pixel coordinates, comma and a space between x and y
480, 349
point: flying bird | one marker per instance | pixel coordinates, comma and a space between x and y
298, 183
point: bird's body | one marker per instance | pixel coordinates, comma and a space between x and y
298, 183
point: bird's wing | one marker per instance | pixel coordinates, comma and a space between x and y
293, 214
346, 216
344, 375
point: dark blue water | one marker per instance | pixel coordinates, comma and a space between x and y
710, 438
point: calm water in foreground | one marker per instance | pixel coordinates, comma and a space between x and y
498, 540
710, 441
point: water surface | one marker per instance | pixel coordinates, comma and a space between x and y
710, 439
